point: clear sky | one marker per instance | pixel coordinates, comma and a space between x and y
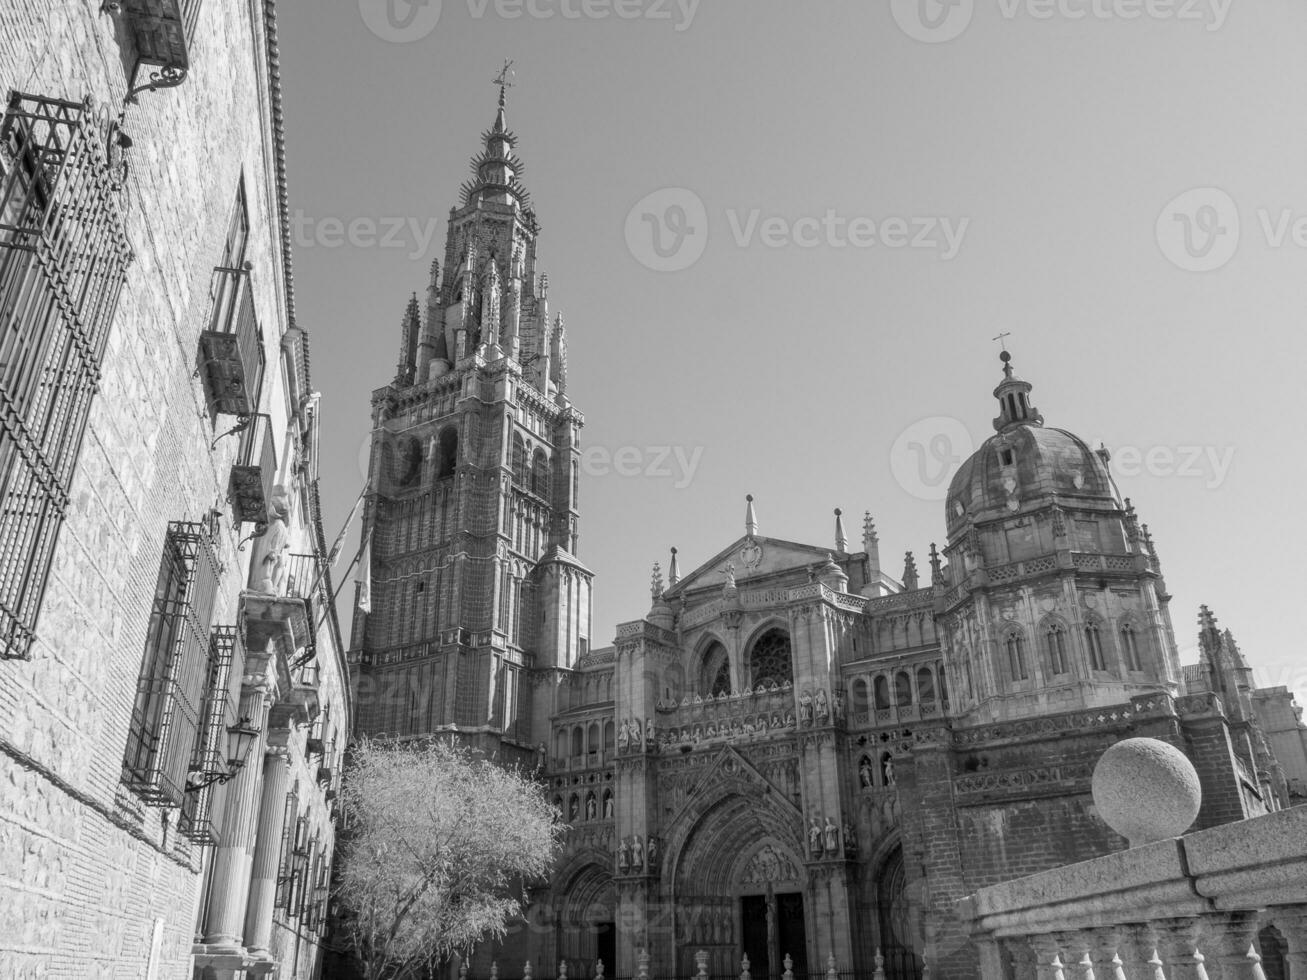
785, 330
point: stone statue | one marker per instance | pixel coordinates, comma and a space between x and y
623, 855
650, 735
623, 737
729, 572
608, 808
591, 809
864, 773
637, 853
832, 834
268, 569
541, 755
889, 770
652, 853
574, 810
805, 708
814, 837
823, 706
850, 841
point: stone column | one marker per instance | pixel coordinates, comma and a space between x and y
232, 859
1104, 951
1137, 948
1234, 938
1048, 958
1178, 939
1293, 924
267, 851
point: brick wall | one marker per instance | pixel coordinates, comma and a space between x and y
86, 877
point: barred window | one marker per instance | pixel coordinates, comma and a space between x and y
286, 863
210, 755
63, 259
165, 726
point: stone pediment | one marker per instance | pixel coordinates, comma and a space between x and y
755, 558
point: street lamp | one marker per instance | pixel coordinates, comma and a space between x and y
240, 741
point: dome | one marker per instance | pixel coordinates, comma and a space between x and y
1026, 461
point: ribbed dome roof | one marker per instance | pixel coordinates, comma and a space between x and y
1020, 464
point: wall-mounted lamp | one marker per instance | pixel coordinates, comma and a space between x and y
240, 741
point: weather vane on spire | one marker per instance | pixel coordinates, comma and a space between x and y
504, 80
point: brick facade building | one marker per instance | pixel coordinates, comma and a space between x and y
172, 682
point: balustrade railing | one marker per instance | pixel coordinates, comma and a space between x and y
1230, 901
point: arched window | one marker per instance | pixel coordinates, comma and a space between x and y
1094, 642
715, 677
1016, 656
1055, 637
448, 454
540, 474
860, 700
902, 690
608, 737
578, 741
593, 738
769, 661
1130, 645
925, 684
519, 461
881, 686
560, 745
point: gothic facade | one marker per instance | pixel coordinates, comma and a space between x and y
794, 756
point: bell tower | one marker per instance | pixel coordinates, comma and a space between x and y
476, 593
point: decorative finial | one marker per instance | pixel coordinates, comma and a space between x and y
841, 539
750, 518
936, 567
911, 582
504, 81
674, 569
869, 529
656, 582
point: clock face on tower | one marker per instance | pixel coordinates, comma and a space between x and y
751, 554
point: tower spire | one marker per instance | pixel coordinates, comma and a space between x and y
674, 569
841, 539
750, 518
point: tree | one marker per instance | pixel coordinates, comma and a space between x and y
436, 839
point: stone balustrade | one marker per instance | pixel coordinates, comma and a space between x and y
1189, 908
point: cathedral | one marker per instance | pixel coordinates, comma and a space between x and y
795, 756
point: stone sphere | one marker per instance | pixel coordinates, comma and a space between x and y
1146, 790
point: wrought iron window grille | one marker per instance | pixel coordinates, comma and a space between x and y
63, 260
170, 699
